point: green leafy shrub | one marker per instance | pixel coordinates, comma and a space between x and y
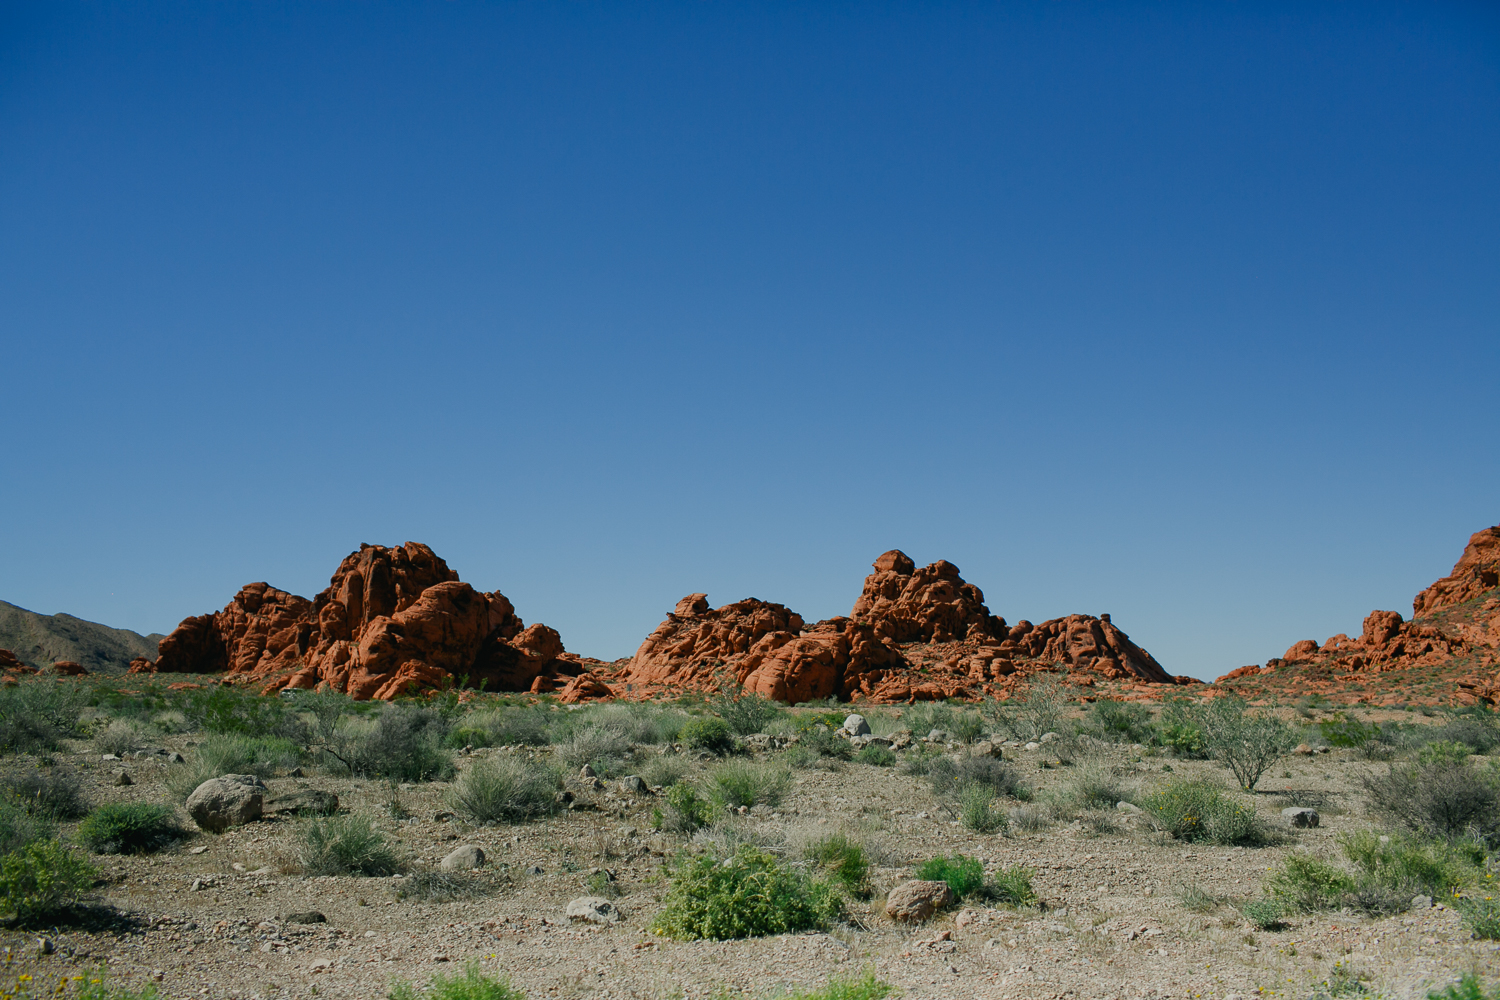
345, 845
1013, 885
748, 783
844, 860
1482, 915
405, 743
1265, 914
471, 984
94, 985
1438, 799
504, 789
500, 727
822, 741
750, 894
1123, 721
707, 733
1093, 785
1246, 742
1444, 752
1201, 811
35, 716
964, 875
682, 810
866, 987
1407, 864
129, 828
1305, 884
966, 727
1341, 731
232, 753
56, 792
664, 771
746, 713
977, 809
1468, 988
42, 878
876, 756
19, 825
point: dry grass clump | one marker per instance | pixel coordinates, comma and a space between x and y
504, 790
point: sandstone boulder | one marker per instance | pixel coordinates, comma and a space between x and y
67, 668
11, 663
463, 859
1084, 642
593, 910
231, 800
304, 802
1476, 571
917, 900
931, 604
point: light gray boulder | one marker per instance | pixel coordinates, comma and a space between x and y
856, 725
462, 859
593, 910
231, 800
1301, 816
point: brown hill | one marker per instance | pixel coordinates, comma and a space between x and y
391, 621
913, 634
41, 640
1447, 653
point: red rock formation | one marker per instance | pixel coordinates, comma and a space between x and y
931, 604
1084, 642
11, 664
391, 621
1476, 571
67, 668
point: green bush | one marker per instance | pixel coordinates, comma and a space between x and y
949, 776
406, 743
1123, 721
56, 793
844, 860
129, 828
682, 811
1041, 711
1444, 752
1341, 731
1407, 864
867, 987
472, 984
1247, 743
232, 753
602, 747
499, 727
977, 810
1265, 914
748, 783
1482, 915
821, 740
504, 789
1439, 799
966, 727
1013, 885
345, 845
707, 733
42, 878
36, 715
1305, 884
876, 756
964, 875
664, 771
20, 825
94, 985
746, 713
1468, 988
750, 894
1201, 811
1093, 785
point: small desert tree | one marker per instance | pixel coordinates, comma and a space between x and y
1038, 713
1248, 743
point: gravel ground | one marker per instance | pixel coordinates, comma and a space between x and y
209, 918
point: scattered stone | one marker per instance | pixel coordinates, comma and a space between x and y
200, 849
856, 725
917, 900
984, 748
1303, 750
462, 859
177, 758
45, 946
587, 771
110, 756
1047, 737
310, 917
305, 801
123, 778
1301, 816
593, 910
1032, 746
634, 784
442, 816
296, 772
233, 800
1421, 902
937, 736
1128, 807
535, 870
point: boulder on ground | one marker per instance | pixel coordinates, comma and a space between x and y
1301, 816
463, 859
917, 900
593, 910
856, 725
232, 800
67, 668
304, 801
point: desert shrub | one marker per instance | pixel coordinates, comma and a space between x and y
1012, 885
707, 733
430, 886
232, 753
223, 708
120, 736
748, 783
1041, 711
1482, 915
664, 771
1093, 785
746, 713
1341, 731
1468, 988
749, 894
1247, 743
1178, 730
1444, 752
964, 875
95, 985
844, 861
641, 723
20, 825
36, 715
948, 775
405, 743
601, 746
876, 756
471, 984
56, 792
1479, 728
867, 987
42, 878
918, 761
1438, 799
345, 845
504, 789
500, 727
1304, 884
682, 810
978, 811
1030, 818
1122, 721
1406, 865
822, 741
1197, 899
129, 828
966, 727
1201, 811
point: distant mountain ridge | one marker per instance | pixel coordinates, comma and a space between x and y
42, 640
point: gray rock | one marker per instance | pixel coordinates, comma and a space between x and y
123, 778
1421, 902
1032, 746
855, 725
938, 736
1300, 816
305, 801
859, 742
233, 800
1128, 807
1047, 737
593, 910
462, 859
984, 748
917, 900
309, 917
587, 771
634, 784
535, 870
176, 758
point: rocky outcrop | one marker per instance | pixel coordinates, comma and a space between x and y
12, 665
931, 604
1083, 642
391, 621
67, 668
1476, 571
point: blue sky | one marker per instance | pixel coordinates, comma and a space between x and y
1185, 313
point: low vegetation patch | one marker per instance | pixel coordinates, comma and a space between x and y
1200, 811
978, 810
1441, 798
748, 783
707, 733
1470, 987
471, 984
345, 845
749, 894
20, 825
54, 792
683, 810
42, 878
129, 828
949, 776
37, 715
866, 987
745, 714
505, 790
964, 875
876, 756
233, 753
844, 861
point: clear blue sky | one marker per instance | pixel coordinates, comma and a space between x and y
1186, 313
